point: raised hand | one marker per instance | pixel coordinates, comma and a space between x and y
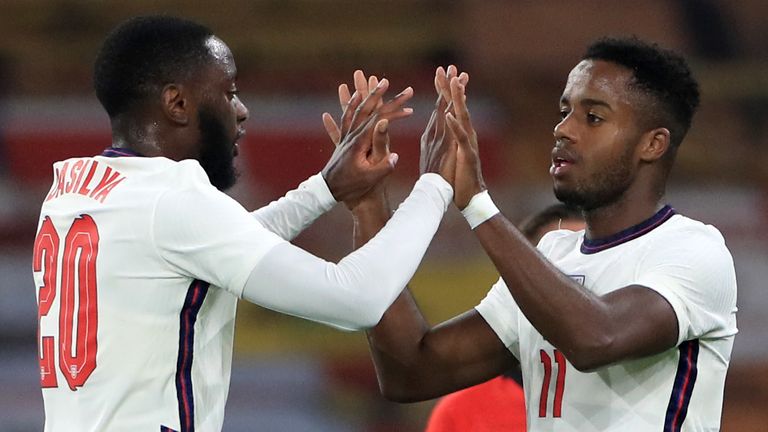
469, 176
438, 145
362, 157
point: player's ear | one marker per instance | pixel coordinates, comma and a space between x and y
175, 103
655, 144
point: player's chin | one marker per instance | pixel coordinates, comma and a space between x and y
224, 179
566, 195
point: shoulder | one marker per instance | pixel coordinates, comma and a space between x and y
186, 174
561, 240
681, 233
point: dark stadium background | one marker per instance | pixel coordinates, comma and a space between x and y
293, 375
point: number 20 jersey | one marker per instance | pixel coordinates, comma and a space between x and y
680, 389
131, 338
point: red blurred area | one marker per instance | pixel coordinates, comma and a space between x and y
277, 161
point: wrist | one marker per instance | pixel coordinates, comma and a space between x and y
479, 209
372, 206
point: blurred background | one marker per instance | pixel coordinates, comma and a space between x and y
294, 375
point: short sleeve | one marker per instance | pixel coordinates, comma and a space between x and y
500, 311
694, 272
204, 234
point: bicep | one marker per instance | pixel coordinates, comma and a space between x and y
465, 351
459, 353
644, 322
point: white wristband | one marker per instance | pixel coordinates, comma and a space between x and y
480, 209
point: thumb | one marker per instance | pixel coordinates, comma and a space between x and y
384, 167
331, 129
458, 132
380, 145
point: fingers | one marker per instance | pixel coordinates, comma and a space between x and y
344, 96
331, 128
459, 133
349, 113
393, 109
464, 78
460, 104
380, 146
349, 103
360, 83
383, 161
365, 110
373, 81
442, 84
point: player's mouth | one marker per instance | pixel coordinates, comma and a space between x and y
235, 145
562, 161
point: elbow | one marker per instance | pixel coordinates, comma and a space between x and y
364, 313
400, 393
588, 354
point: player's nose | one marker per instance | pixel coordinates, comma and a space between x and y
242, 111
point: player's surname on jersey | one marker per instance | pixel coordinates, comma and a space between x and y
84, 177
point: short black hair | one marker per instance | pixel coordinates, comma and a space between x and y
142, 55
531, 226
659, 73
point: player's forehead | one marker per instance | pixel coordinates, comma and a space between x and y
597, 80
221, 57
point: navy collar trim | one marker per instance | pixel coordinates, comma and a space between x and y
591, 246
120, 152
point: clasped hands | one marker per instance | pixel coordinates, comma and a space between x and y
362, 159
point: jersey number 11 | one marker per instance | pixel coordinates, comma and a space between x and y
557, 404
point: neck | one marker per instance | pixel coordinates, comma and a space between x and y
140, 135
620, 215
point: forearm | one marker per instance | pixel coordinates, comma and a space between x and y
291, 214
354, 293
571, 318
414, 361
402, 327
396, 341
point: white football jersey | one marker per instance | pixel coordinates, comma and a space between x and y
680, 389
119, 296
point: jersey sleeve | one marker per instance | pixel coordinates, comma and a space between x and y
291, 214
355, 292
204, 234
500, 311
694, 272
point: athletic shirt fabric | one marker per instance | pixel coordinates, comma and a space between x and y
681, 389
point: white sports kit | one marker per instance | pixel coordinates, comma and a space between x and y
680, 389
139, 262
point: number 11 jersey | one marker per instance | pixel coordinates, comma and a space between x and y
680, 389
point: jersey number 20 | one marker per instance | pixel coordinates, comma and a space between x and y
77, 287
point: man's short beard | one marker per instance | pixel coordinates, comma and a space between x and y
216, 155
602, 189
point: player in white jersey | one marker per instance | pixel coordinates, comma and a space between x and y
627, 325
140, 258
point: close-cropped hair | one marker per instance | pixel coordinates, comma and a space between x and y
144, 54
531, 226
659, 73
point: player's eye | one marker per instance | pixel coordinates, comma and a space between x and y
232, 93
563, 113
593, 118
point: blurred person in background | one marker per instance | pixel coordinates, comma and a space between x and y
627, 325
140, 257
499, 404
